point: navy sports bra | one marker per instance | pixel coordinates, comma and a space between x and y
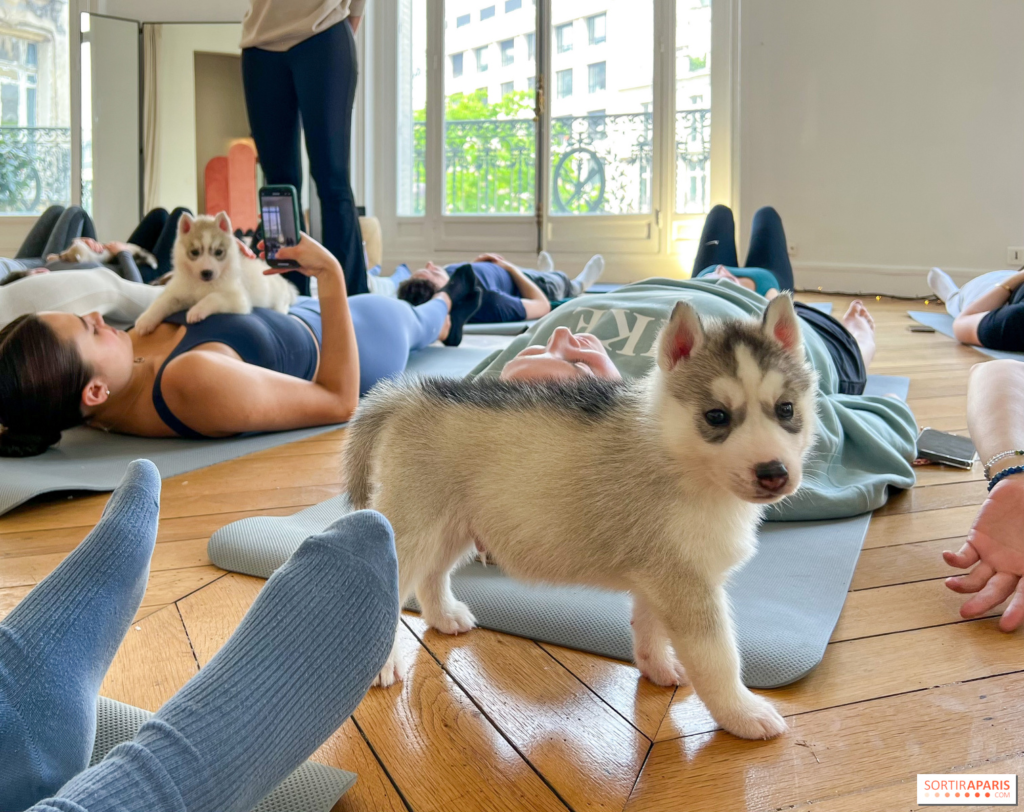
264, 337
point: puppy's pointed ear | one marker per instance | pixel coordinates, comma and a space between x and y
223, 222
681, 338
782, 324
185, 223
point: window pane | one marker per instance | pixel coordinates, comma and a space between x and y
693, 105
601, 140
461, 21
489, 133
487, 13
563, 37
411, 169
35, 107
531, 46
512, 5
456, 65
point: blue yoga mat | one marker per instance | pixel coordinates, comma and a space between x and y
943, 323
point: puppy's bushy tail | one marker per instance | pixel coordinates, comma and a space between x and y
370, 419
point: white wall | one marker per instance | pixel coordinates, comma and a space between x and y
889, 135
170, 11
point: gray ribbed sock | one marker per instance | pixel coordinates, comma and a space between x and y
57, 644
293, 671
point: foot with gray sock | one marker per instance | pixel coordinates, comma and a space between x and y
57, 644
941, 284
591, 272
296, 667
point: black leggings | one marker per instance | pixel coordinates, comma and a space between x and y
1003, 328
54, 232
842, 347
157, 233
767, 244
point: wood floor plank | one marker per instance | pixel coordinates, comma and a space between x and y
927, 525
904, 563
439, 748
588, 753
638, 701
835, 751
860, 670
210, 615
373, 791
153, 662
889, 609
935, 498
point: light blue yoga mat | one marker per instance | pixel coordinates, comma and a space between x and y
90, 460
943, 323
312, 787
786, 600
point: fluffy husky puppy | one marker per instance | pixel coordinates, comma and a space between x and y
654, 486
79, 251
211, 276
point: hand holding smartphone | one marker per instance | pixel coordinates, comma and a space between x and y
279, 208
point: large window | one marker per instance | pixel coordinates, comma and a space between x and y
411, 130
35, 106
693, 106
489, 139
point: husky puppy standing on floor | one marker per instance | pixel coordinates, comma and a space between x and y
211, 276
654, 486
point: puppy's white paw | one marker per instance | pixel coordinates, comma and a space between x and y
458, 621
751, 717
196, 314
146, 324
394, 670
661, 668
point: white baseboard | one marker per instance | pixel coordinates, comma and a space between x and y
880, 280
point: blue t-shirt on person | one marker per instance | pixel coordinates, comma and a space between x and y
502, 302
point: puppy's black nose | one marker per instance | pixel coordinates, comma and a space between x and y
206, 275
772, 476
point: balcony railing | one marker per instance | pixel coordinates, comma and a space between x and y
600, 164
35, 168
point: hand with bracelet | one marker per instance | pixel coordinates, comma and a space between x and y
995, 543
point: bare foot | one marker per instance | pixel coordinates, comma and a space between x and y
445, 329
862, 327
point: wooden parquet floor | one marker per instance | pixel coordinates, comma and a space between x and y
492, 722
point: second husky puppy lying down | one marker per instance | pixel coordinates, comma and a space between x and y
211, 276
654, 486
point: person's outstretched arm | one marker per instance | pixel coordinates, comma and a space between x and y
995, 544
535, 302
965, 326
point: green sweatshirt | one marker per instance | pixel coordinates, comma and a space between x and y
864, 444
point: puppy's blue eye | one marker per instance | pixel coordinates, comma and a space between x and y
784, 411
717, 418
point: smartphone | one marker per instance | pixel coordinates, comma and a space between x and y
949, 449
279, 208
920, 328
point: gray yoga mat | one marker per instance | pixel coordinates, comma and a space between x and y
786, 600
91, 460
942, 322
312, 787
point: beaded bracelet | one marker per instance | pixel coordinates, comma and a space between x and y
1017, 469
1002, 455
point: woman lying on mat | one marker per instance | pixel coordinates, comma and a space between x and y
295, 668
228, 374
767, 269
995, 544
65, 240
988, 311
865, 443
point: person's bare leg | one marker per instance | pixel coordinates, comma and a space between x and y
858, 321
448, 321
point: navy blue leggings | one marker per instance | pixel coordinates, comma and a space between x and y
387, 330
316, 80
157, 233
767, 244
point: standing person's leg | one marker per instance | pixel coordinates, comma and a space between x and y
33, 245
147, 232
325, 71
163, 248
768, 247
57, 644
387, 330
73, 222
717, 241
296, 667
273, 109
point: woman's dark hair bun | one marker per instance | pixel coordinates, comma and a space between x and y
41, 383
13, 444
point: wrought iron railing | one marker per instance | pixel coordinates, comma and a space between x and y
35, 168
600, 164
